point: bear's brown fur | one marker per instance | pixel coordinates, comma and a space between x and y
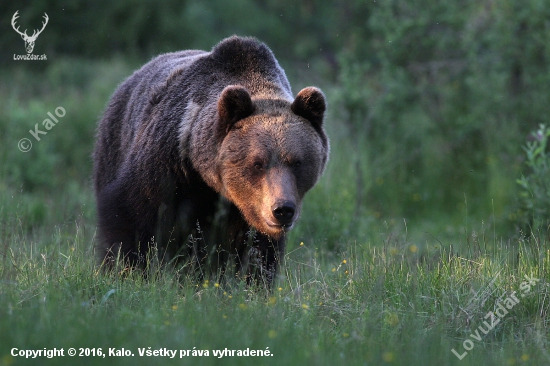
207, 156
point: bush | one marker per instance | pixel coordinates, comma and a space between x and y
534, 213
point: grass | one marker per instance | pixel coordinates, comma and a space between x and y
391, 303
353, 290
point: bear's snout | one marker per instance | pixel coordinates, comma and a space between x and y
283, 212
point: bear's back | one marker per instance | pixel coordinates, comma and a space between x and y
129, 107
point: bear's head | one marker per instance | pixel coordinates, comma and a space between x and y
272, 152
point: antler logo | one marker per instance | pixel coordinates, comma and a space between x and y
29, 41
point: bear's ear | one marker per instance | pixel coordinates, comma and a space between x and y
234, 104
310, 104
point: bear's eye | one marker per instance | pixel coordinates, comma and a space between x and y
297, 164
258, 166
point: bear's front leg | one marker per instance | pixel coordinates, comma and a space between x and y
123, 235
260, 259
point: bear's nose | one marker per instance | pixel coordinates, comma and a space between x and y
283, 211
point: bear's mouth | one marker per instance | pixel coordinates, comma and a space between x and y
283, 227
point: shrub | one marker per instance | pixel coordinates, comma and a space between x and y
534, 213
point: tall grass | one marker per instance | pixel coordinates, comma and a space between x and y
390, 302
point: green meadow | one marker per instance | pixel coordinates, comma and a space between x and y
426, 242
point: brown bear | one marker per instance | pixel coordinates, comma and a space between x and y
207, 156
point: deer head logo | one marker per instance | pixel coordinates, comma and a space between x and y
29, 41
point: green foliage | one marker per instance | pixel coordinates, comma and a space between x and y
63, 154
534, 212
434, 110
